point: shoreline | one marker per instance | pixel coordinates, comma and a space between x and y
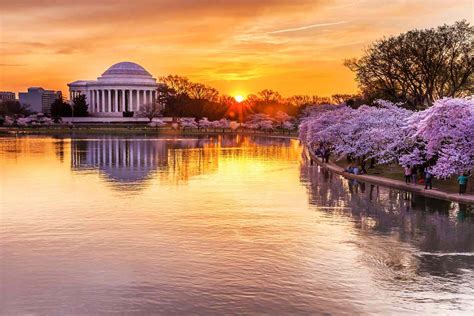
391, 183
331, 166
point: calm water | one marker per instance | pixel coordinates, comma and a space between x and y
223, 225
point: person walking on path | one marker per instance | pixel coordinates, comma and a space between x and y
428, 180
462, 180
413, 175
327, 153
407, 172
355, 170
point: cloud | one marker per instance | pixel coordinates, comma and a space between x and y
284, 44
307, 27
12, 65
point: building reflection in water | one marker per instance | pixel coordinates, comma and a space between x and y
421, 236
119, 159
172, 160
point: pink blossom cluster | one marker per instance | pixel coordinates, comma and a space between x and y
440, 138
266, 122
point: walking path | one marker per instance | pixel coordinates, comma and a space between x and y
419, 189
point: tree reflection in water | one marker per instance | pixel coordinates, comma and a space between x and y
422, 236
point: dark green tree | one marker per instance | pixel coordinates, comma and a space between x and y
13, 108
80, 106
59, 108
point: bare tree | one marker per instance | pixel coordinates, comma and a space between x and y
269, 96
200, 91
179, 85
305, 100
419, 66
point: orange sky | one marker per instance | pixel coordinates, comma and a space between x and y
236, 46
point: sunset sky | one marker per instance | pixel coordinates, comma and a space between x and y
236, 46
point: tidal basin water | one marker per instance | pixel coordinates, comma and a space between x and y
217, 225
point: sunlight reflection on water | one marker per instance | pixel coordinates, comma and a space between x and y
217, 225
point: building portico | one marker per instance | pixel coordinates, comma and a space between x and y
124, 87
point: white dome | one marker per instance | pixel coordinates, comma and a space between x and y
126, 68
127, 73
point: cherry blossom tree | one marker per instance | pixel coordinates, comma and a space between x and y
288, 126
234, 125
322, 126
9, 121
282, 117
440, 138
188, 123
157, 123
373, 132
204, 123
222, 124
266, 125
150, 110
445, 134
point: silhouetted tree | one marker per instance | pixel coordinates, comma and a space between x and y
202, 92
13, 108
269, 96
419, 66
352, 100
80, 106
59, 108
306, 100
177, 84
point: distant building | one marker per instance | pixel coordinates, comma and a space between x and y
39, 99
124, 87
7, 96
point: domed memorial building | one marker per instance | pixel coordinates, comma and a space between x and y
122, 88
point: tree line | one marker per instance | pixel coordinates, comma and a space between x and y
181, 97
417, 67
412, 70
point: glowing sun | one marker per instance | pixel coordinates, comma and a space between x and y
239, 98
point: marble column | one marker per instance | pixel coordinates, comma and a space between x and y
91, 104
110, 99
102, 100
116, 100
94, 100
104, 103
89, 99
